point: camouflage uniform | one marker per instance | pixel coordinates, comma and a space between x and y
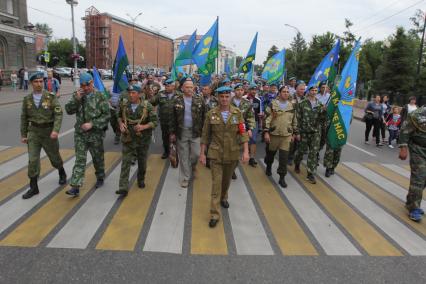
247, 111
295, 144
211, 103
135, 143
332, 157
224, 152
165, 108
413, 135
92, 108
309, 119
188, 139
36, 124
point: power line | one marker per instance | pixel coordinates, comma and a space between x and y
368, 18
50, 14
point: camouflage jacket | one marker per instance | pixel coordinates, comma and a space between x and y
211, 103
281, 122
309, 119
247, 111
144, 114
198, 110
92, 108
49, 112
165, 105
225, 137
413, 131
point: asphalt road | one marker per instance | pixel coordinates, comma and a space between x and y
380, 257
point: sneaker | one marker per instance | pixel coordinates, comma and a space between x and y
415, 215
73, 192
184, 184
379, 145
366, 142
391, 146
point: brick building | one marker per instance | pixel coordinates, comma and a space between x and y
17, 42
152, 49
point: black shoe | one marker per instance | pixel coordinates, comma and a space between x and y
141, 184
297, 168
282, 182
121, 192
327, 172
75, 191
224, 204
252, 162
213, 223
332, 171
99, 182
62, 176
33, 189
116, 140
234, 176
268, 170
164, 156
311, 179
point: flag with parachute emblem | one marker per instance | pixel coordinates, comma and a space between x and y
246, 64
207, 50
120, 64
274, 68
185, 55
99, 85
339, 109
183, 62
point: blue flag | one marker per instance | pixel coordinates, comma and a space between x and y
246, 64
205, 79
249, 75
274, 68
184, 61
185, 55
120, 64
227, 67
322, 72
207, 50
97, 82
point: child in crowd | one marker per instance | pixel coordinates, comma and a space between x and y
393, 123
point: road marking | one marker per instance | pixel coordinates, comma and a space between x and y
125, 227
82, 226
11, 153
389, 174
288, 234
360, 149
402, 235
331, 239
20, 179
398, 169
15, 164
382, 182
407, 167
66, 132
17, 207
387, 200
249, 235
205, 240
166, 231
33, 230
364, 233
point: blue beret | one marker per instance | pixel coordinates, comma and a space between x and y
226, 80
252, 86
312, 87
239, 85
168, 82
36, 75
292, 78
85, 78
273, 84
323, 83
224, 89
184, 79
135, 88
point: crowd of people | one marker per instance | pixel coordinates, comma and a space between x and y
216, 123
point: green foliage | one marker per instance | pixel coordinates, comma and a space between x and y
63, 49
44, 28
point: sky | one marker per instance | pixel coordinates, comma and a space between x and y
239, 20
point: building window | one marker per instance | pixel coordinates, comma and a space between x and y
9, 6
3, 53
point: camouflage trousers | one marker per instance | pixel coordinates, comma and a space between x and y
418, 176
94, 143
40, 139
309, 143
114, 122
323, 133
332, 157
129, 151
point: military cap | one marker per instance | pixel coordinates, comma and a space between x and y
135, 88
292, 78
239, 85
168, 82
273, 84
323, 83
184, 79
37, 75
312, 87
226, 80
223, 89
85, 78
252, 86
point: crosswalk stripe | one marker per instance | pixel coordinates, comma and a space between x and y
389, 174
380, 181
397, 169
249, 234
365, 234
167, 227
125, 227
331, 239
385, 199
402, 235
288, 234
15, 164
11, 153
20, 179
17, 207
204, 240
407, 167
33, 230
80, 229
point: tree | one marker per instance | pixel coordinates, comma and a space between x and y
63, 49
44, 28
272, 51
296, 64
371, 57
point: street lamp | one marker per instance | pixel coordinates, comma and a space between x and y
158, 39
133, 19
293, 27
73, 3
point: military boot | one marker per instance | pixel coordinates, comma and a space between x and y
33, 189
311, 178
99, 182
62, 176
297, 168
328, 172
268, 170
282, 181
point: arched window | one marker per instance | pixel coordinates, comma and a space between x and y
3, 53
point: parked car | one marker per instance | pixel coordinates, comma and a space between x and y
63, 71
106, 74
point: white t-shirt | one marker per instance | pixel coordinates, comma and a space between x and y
411, 108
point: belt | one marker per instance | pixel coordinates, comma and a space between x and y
41, 125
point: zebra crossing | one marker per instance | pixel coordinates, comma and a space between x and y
358, 211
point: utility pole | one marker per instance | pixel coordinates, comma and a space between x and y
158, 41
133, 40
74, 44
